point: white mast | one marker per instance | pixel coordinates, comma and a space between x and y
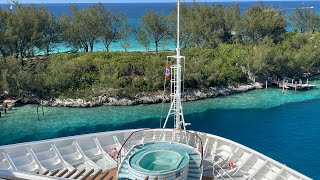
176, 106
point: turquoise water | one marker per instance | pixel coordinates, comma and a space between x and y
160, 158
159, 161
116, 46
283, 127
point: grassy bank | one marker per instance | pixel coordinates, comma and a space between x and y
103, 73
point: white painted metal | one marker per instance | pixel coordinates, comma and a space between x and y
42, 169
7, 157
175, 96
249, 164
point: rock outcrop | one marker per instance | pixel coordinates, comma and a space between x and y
189, 95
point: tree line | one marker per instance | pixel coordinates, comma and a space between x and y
28, 30
221, 44
87, 75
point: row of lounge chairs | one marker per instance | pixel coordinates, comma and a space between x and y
81, 175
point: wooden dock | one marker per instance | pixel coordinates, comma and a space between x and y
294, 85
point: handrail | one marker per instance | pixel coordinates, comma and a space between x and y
119, 152
201, 144
119, 155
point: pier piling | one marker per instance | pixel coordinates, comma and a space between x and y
38, 112
42, 108
5, 107
283, 86
267, 84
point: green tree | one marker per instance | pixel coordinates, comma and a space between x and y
142, 38
47, 29
205, 25
22, 29
232, 17
5, 43
155, 25
126, 32
83, 27
172, 31
94, 21
303, 19
260, 21
114, 23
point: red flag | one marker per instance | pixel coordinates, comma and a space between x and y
167, 73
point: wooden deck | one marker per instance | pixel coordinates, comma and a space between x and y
105, 175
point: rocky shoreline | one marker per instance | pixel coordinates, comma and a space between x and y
190, 95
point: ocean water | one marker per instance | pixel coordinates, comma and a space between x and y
283, 127
135, 10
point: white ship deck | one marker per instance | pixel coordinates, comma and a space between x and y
90, 156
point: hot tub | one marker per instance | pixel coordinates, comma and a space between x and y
164, 160
160, 160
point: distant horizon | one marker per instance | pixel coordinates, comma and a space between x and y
126, 1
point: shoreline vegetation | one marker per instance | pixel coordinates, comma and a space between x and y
227, 52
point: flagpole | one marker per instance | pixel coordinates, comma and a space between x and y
178, 28
178, 89
175, 96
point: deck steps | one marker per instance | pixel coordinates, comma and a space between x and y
194, 171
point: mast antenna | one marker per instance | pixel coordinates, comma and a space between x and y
175, 83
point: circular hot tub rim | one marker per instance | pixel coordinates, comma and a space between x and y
176, 165
141, 170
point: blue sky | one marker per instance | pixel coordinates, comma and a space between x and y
113, 1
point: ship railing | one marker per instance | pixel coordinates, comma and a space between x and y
74, 160
145, 136
222, 174
56, 168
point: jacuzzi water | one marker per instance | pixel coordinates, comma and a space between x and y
162, 160
159, 159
